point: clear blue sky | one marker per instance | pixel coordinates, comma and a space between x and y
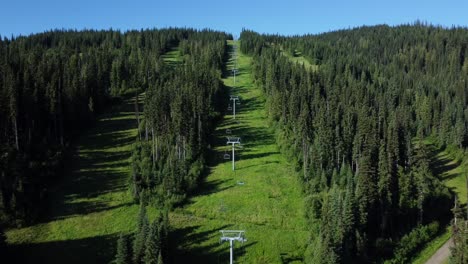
284, 17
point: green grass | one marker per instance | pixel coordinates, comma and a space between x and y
269, 206
92, 205
299, 59
172, 57
451, 167
455, 177
429, 250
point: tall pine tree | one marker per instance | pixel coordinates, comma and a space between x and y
123, 254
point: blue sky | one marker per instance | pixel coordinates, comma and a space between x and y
284, 17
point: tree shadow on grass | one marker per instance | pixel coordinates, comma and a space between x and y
108, 140
209, 187
441, 166
288, 258
89, 184
252, 104
94, 160
99, 249
253, 137
83, 208
238, 89
205, 188
92, 170
226, 72
188, 246
258, 165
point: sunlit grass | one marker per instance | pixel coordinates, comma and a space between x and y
91, 205
454, 177
268, 206
300, 59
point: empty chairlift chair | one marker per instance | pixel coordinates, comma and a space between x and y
226, 155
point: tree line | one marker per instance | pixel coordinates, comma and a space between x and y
180, 111
51, 85
149, 243
459, 249
357, 126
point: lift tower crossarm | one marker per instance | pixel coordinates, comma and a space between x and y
231, 236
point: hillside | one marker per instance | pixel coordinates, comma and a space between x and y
262, 196
352, 146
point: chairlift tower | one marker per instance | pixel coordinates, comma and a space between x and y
235, 100
233, 141
234, 72
231, 236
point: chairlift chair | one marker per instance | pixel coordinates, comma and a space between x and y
228, 131
229, 107
226, 155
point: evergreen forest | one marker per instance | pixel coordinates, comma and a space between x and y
353, 145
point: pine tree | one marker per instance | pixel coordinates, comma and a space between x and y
349, 220
459, 250
122, 256
140, 236
153, 244
160, 258
384, 186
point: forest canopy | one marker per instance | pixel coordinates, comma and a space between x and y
356, 126
54, 83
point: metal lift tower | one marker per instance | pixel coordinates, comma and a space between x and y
231, 236
233, 141
235, 100
234, 72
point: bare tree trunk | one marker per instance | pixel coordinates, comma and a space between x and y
146, 128
179, 151
199, 131
154, 147
183, 147
16, 133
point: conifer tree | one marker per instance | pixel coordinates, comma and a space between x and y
140, 236
160, 258
459, 250
122, 256
153, 244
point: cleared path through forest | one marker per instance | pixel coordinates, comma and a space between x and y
442, 254
91, 205
452, 173
262, 196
